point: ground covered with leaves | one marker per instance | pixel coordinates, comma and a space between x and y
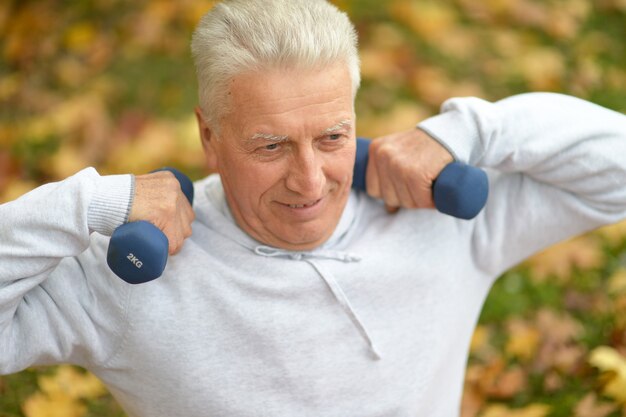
110, 84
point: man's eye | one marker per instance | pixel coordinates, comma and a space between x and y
334, 136
271, 147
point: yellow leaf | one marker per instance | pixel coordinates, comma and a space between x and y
565, 19
16, 188
459, 42
9, 86
508, 43
378, 64
57, 405
67, 161
532, 410
543, 68
194, 10
617, 281
523, 340
614, 233
480, 338
71, 71
155, 146
403, 115
80, 36
613, 366
432, 85
189, 148
431, 20
71, 382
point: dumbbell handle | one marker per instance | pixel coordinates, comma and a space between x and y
460, 190
138, 251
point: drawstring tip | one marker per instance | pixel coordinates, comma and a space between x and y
375, 355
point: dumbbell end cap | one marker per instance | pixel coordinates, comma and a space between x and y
138, 252
461, 190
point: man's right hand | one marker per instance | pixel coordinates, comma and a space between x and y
159, 200
402, 168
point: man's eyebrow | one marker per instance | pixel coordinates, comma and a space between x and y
268, 137
344, 124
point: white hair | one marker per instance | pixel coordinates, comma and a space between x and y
237, 36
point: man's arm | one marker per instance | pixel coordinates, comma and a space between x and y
558, 169
54, 302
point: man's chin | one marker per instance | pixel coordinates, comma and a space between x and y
300, 240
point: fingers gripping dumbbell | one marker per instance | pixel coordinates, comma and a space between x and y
138, 251
460, 190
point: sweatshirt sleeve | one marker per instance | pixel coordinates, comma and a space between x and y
557, 168
48, 313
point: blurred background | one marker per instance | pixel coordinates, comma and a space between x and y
110, 84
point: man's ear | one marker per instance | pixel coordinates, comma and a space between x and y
208, 140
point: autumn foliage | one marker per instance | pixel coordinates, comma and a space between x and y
110, 84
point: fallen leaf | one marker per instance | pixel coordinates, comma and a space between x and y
432, 85
559, 349
378, 64
613, 367
552, 381
70, 381
617, 281
543, 68
496, 380
523, 339
480, 340
558, 327
589, 406
80, 36
472, 401
560, 260
614, 233
532, 410
403, 115
430, 20
529, 13
16, 188
57, 405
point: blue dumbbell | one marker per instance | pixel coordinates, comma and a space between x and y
138, 250
460, 190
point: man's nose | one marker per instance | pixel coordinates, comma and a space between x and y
306, 175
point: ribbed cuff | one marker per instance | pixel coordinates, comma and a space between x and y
462, 127
452, 133
111, 203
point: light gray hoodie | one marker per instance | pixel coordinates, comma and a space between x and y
376, 322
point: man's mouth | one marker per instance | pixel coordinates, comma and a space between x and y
304, 205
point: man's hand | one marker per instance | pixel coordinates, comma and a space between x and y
402, 167
160, 201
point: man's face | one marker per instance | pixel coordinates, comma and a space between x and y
285, 154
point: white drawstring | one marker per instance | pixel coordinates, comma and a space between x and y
298, 256
343, 301
330, 281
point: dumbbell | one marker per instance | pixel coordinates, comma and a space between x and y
138, 251
460, 190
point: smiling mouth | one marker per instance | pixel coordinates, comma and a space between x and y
299, 206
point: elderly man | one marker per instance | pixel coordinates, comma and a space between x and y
295, 296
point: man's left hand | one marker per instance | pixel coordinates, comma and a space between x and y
402, 168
